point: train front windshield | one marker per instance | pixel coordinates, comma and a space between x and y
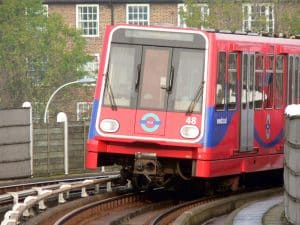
155, 70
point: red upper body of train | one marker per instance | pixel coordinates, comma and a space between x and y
192, 103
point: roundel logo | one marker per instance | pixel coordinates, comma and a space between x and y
150, 122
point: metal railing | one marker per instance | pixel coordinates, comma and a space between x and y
39, 195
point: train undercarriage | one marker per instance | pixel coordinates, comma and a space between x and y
147, 171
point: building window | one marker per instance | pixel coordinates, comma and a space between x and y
46, 9
91, 68
88, 19
83, 110
258, 17
203, 10
36, 70
138, 14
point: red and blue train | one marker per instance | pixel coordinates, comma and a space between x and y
173, 102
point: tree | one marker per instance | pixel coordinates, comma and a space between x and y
192, 15
288, 19
220, 15
37, 52
228, 15
225, 15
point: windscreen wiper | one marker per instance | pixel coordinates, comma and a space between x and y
137, 81
170, 83
196, 98
111, 96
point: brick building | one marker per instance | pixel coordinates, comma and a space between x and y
91, 16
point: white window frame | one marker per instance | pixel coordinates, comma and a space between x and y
181, 23
46, 8
92, 66
248, 19
78, 21
80, 109
138, 21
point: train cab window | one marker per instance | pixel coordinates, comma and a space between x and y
186, 94
268, 82
220, 87
258, 93
278, 92
118, 90
232, 81
155, 71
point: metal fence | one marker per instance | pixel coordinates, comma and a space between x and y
48, 148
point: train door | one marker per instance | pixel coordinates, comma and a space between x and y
246, 103
294, 80
171, 80
153, 93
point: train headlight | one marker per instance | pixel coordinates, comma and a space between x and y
189, 131
109, 125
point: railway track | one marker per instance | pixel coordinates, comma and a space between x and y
113, 207
140, 209
143, 209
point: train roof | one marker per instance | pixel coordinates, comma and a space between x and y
247, 40
252, 38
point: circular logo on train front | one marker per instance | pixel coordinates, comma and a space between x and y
150, 122
268, 126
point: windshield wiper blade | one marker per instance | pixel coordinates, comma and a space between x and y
137, 81
111, 96
196, 98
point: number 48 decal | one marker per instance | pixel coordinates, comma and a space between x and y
191, 120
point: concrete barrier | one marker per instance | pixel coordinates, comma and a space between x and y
15, 159
292, 165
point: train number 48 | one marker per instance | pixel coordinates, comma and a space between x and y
191, 120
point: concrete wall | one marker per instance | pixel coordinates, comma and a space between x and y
292, 169
15, 143
48, 149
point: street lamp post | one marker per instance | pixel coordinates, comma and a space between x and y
62, 118
81, 81
28, 105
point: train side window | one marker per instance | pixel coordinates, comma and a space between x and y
278, 92
258, 93
290, 82
220, 87
268, 82
251, 83
297, 80
232, 81
244, 87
